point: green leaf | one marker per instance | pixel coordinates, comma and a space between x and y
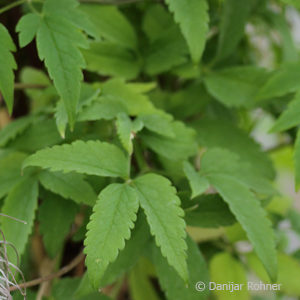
156, 19
165, 52
226, 269
159, 123
173, 285
155, 195
193, 19
70, 186
58, 40
64, 67
20, 203
224, 134
288, 272
291, 2
87, 95
55, 218
104, 107
233, 182
280, 23
223, 85
7, 65
135, 102
38, 135
180, 147
124, 128
27, 28
111, 59
281, 82
92, 157
69, 10
109, 227
210, 211
10, 171
290, 116
128, 257
297, 160
38, 97
197, 183
233, 21
12, 129
111, 24
140, 284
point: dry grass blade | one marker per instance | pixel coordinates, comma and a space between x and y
8, 271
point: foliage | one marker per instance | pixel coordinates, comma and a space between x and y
137, 133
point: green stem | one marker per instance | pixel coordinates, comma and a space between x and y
12, 5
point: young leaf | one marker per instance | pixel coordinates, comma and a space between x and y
7, 65
71, 186
124, 128
173, 285
224, 269
198, 183
156, 195
233, 21
193, 18
109, 227
55, 218
92, 157
221, 169
20, 203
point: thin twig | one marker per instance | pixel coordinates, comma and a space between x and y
11, 5
57, 274
21, 86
